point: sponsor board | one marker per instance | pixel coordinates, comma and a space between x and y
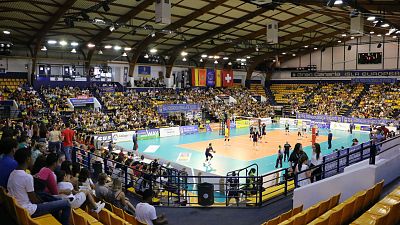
122, 136
291, 122
340, 126
242, 123
189, 129
148, 134
172, 108
266, 120
170, 131
103, 137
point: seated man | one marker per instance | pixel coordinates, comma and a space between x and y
146, 213
20, 185
7, 163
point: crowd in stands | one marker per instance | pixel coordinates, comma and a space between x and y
27, 99
57, 97
381, 101
43, 178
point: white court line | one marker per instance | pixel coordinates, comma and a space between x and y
152, 148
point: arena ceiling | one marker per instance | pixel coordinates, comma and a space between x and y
224, 28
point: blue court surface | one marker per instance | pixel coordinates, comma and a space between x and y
169, 149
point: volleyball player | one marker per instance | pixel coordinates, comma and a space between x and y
209, 156
264, 132
255, 139
305, 130
227, 135
287, 128
251, 132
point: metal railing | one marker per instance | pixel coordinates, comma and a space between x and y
335, 163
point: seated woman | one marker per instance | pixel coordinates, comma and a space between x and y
117, 197
76, 198
85, 182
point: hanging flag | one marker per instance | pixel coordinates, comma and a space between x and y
195, 77
210, 77
227, 78
202, 77
218, 78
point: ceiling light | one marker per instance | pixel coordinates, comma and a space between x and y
293, 54
376, 21
124, 54
273, 60
238, 59
184, 59
153, 50
352, 38
6, 32
183, 53
379, 35
394, 36
44, 48
392, 30
153, 34
371, 18
90, 45
52, 42
63, 43
387, 34
338, 2
204, 56
315, 48
305, 46
210, 57
283, 53
146, 56
385, 25
108, 46
371, 32
257, 49
344, 35
216, 57
100, 52
112, 28
229, 63
74, 44
248, 57
127, 49
117, 48
216, 62
201, 60
339, 41
243, 60
73, 50
225, 58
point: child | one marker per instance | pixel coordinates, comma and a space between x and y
279, 159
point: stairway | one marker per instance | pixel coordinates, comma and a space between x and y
357, 101
270, 96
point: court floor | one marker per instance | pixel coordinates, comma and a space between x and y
188, 150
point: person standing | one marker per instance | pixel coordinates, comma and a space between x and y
316, 161
287, 128
286, 151
330, 135
233, 188
227, 134
68, 138
264, 132
255, 139
135, 142
280, 157
55, 140
209, 156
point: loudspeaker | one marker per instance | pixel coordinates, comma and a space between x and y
357, 25
206, 194
272, 32
163, 11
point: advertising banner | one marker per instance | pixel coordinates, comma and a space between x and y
189, 129
81, 101
123, 136
266, 120
340, 126
103, 137
242, 123
355, 73
148, 134
144, 71
171, 108
361, 127
210, 77
170, 131
373, 80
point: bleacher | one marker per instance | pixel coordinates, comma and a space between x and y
257, 89
11, 84
330, 212
286, 94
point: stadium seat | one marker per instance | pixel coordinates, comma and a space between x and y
368, 198
130, 219
285, 216
358, 204
104, 217
300, 219
377, 191
117, 211
78, 219
323, 207
312, 213
347, 212
297, 210
114, 220
334, 201
274, 221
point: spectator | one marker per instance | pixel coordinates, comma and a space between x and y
330, 135
316, 161
146, 213
286, 152
20, 185
117, 197
101, 190
7, 162
55, 139
279, 158
295, 156
47, 175
68, 136
84, 180
233, 188
303, 177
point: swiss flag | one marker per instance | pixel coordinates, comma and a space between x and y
227, 78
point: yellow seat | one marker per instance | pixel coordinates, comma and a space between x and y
377, 191
370, 219
368, 198
358, 204
334, 201
285, 216
274, 221
390, 200
347, 212
115, 220
312, 213
335, 217
297, 210
130, 219
117, 211
323, 207
104, 217
300, 219
78, 219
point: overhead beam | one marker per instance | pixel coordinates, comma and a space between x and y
259, 59
149, 39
